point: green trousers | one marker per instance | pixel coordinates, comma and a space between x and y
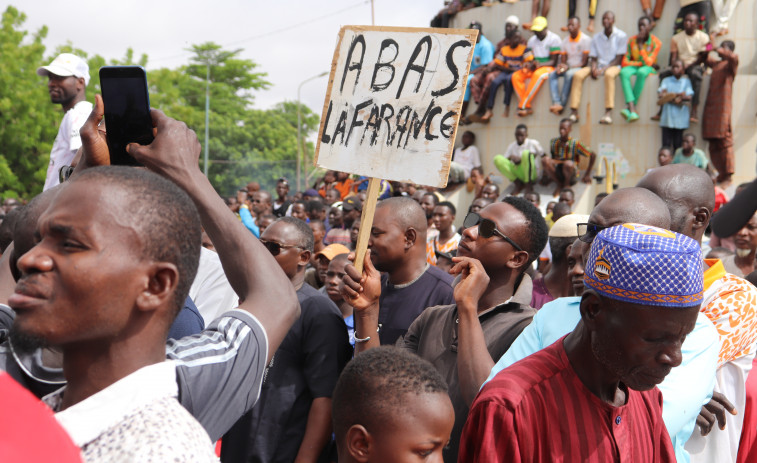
632, 94
525, 170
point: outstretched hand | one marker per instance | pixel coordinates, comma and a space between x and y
714, 410
174, 150
473, 284
361, 291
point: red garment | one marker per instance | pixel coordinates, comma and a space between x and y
29, 431
748, 443
720, 198
716, 117
538, 410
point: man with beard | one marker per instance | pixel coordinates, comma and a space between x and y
605, 371
742, 263
67, 79
491, 302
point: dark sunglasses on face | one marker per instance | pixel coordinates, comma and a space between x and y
588, 231
275, 248
486, 228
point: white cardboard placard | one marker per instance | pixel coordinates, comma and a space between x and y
393, 102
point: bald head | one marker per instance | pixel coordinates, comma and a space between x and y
688, 193
634, 205
407, 213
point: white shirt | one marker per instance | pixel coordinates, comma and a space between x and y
542, 48
605, 48
135, 419
211, 291
67, 142
468, 158
529, 144
575, 50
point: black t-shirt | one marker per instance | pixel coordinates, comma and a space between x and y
306, 366
281, 210
400, 306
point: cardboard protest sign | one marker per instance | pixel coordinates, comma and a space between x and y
393, 102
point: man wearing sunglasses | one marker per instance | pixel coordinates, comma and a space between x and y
292, 419
492, 296
685, 389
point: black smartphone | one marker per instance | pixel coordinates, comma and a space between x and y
127, 110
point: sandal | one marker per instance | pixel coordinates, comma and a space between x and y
606, 120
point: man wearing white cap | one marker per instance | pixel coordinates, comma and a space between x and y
68, 76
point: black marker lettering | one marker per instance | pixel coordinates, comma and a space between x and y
452, 69
355, 122
414, 67
384, 64
354, 66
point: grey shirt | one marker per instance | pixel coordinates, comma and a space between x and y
433, 336
219, 371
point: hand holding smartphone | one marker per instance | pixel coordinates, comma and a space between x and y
127, 110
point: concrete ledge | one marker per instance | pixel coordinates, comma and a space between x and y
639, 141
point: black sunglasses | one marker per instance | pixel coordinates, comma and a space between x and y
588, 231
486, 228
275, 248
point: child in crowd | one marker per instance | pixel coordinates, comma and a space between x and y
674, 94
519, 161
391, 405
568, 196
477, 181
665, 156
533, 198
464, 159
688, 153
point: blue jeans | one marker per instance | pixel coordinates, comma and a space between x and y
558, 97
503, 79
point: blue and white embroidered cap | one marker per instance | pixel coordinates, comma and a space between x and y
646, 265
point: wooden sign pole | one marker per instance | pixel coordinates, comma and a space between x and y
366, 222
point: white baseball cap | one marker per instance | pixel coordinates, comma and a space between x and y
512, 19
64, 65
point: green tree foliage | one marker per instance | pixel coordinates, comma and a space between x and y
28, 122
245, 143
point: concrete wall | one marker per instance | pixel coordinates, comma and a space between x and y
639, 141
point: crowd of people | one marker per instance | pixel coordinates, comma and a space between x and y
143, 317
521, 65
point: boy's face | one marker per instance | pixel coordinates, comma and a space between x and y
419, 434
520, 136
664, 157
678, 69
467, 139
532, 198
